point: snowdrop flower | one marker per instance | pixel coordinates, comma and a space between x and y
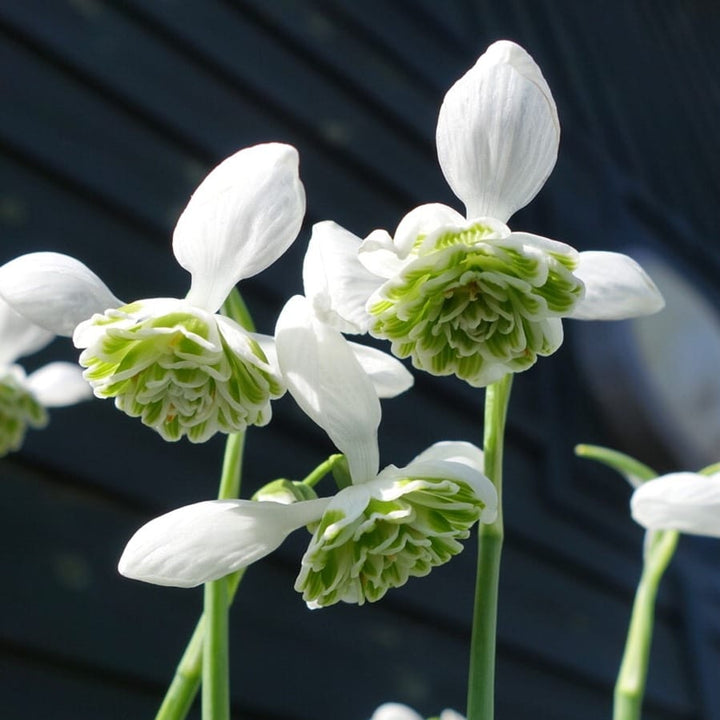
382, 529
175, 363
24, 398
463, 295
684, 501
397, 711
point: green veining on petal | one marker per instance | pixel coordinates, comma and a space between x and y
18, 411
474, 302
178, 373
358, 558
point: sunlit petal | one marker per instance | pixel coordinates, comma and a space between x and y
54, 291
19, 336
616, 287
388, 375
395, 711
243, 217
335, 281
329, 384
208, 540
498, 133
679, 501
59, 384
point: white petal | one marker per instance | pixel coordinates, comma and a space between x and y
454, 461
388, 375
55, 291
59, 384
329, 384
243, 217
425, 220
335, 281
498, 133
450, 715
208, 540
616, 287
679, 501
18, 336
395, 711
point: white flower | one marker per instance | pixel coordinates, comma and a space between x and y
464, 295
397, 711
684, 501
24, 398
176, 363
373, 535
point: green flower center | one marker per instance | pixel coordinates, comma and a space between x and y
360, 557
178, 373
18, 411
472, 301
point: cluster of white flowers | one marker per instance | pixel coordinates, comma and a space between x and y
457, 294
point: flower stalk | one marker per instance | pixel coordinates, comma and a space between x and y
630, 686
481, 680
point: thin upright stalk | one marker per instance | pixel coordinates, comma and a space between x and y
216, 665
630, 686
481, 680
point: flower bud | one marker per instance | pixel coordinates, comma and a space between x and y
285, 492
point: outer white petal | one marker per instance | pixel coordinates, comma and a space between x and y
679, 501
335, 281
59, 384
54, 291
450, 715
454, 461
498, 133
395, 711
208, 540
18, 336
616, 287
389, 376
329, 384
243, 217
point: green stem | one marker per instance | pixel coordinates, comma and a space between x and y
234, 307
630, 686
321, 470
481, 680
216, 673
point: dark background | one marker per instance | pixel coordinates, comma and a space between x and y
111, 114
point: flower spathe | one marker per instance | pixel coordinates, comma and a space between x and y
464, 295
684, 501
24, 398
371, 536
177, 364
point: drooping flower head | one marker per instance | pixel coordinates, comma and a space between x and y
463, 295
398, 711
374, 534
24, 398
175, 363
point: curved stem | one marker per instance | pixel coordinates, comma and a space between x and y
630, 686
481, 680
321, 470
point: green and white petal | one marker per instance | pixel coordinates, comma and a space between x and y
374, 536
682, 501
395, 711
616, 288
477, 301
208, 540
389, 376
19, 409
423, 221
242, 217
19, 336
182, 370
335, 281
59, 384
498, 133
329, 384
54, 291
